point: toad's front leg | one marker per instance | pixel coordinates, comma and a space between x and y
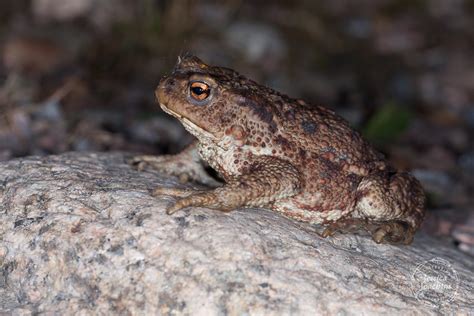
187, 165
267, 180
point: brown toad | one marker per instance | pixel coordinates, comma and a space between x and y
272, 151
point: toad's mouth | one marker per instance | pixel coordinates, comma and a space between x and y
190, 126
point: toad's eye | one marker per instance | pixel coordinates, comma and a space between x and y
199, 91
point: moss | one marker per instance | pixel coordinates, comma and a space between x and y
387, 124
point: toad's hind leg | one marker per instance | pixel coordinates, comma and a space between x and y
393, 205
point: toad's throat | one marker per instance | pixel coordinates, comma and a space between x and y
190, 126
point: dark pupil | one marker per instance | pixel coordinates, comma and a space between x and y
198, 90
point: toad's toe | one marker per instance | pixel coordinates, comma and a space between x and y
395, 232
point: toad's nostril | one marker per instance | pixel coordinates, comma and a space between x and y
167, 81
166, 85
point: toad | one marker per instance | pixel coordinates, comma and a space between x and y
272, 151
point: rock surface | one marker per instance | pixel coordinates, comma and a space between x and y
81, 233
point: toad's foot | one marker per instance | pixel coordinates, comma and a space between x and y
348, 225
268, 180
186, 165
179, 193
173, 192
392, 232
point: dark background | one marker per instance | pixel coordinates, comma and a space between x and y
80, 74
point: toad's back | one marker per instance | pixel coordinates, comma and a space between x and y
332, 158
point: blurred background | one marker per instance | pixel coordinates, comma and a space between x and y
79, 75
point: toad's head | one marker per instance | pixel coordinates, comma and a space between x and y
211, 102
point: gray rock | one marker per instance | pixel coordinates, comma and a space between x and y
80, 233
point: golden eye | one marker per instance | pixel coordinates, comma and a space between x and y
199, 90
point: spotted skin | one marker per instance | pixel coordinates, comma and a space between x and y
273, 151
